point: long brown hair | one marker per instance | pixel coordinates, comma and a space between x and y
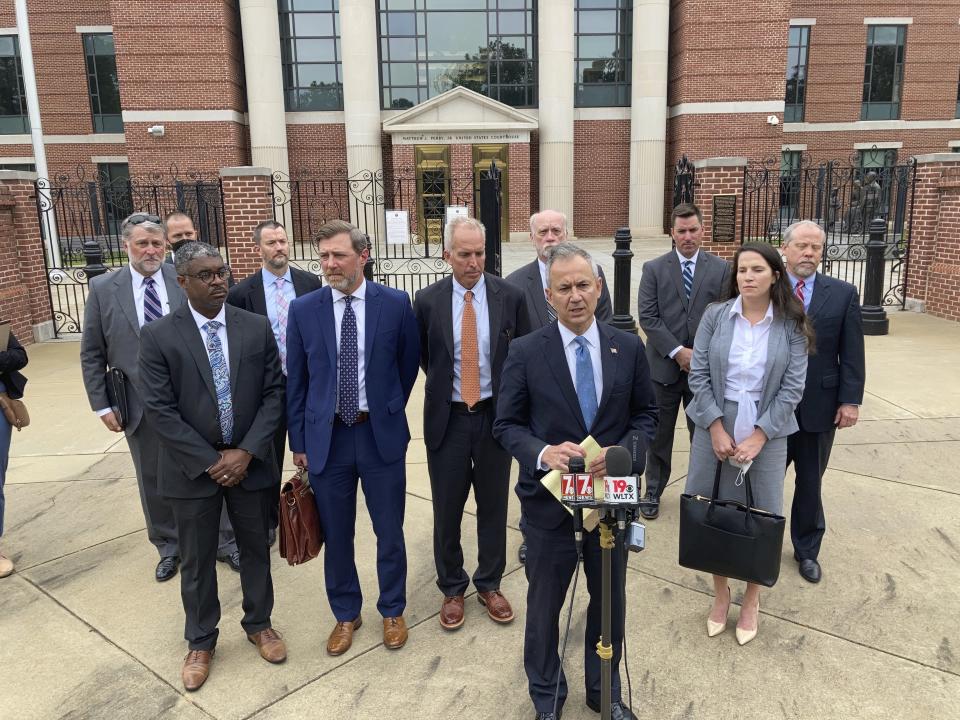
785, 303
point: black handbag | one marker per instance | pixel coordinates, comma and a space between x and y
728, 538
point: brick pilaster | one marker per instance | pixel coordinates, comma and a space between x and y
719, 176
247, 201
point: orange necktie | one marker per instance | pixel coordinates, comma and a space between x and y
469, 354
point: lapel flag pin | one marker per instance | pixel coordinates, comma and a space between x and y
613, 350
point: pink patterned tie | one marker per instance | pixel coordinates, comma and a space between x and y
282, 307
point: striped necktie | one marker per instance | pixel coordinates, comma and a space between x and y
799, 291
152, 310
688, 277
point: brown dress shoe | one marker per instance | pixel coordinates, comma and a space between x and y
196, 668
394, 632
451, 612
341, 638
498, 608
271, 646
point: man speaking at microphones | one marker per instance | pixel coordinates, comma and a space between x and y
571, 379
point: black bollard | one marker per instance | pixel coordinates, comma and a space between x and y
622, 319
875, 320
368, 265
93, 254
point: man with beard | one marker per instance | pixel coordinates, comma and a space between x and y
213, 390
353, 354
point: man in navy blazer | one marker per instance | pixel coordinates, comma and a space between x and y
353, 354
572, 378
834, 389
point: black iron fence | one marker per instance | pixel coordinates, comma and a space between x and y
74, 211
842, 197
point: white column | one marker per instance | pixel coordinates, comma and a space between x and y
648, 115
556, 79
361, 85
264, 79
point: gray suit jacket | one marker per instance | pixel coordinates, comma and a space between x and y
111, 336
527, 278
668, 319
783, 377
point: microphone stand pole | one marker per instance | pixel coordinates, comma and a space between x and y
605, 646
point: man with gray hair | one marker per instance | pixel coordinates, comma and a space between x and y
467, 323
548, 228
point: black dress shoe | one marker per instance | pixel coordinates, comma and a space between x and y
233, 560
167, 568
810, 570
547, 716
618, 710
522, 553
650, 506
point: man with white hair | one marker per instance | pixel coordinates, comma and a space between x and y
834, 387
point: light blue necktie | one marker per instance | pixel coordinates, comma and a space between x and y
221, 379
349, 405
688, 277
586, 388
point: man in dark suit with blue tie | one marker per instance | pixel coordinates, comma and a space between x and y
573, 378
353, 354
836, 374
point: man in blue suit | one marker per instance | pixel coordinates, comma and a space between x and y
572, 378
353, 353
834, 390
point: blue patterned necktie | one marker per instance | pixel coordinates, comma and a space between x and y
688, 277
586, 388
221, 379
349, 390
152, 310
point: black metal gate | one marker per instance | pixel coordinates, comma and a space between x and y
304, 202
842, 197
73, 210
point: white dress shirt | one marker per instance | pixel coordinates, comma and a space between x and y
543, 272
270, 293
139, 289
746, 365
481, 312
693, 271
568, 338
359, 309
202, 320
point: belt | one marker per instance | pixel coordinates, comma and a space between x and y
362, 417
479, 407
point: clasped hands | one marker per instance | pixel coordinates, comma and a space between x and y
231, 468
557, 457
743, 452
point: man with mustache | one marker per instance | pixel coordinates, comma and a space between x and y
353, 354
213, 390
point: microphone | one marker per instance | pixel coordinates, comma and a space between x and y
620, 490
577, 486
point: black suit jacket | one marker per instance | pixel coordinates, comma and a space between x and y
836, 373
249, 295
180, 399
527, 278
434, 312
538, 406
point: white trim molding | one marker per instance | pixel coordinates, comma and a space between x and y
21, 160
92, 138
802, 147
873, 125
878, 145
735, 107
316, 117
795, 22
601, 113
94, 29
151, 116
888, 21
9, 31
16, 140
97, 159
953, 144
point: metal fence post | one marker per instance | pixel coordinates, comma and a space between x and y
93, 254
621, 282
875, 320
368, 265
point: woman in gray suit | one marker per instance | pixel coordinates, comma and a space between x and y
747, 375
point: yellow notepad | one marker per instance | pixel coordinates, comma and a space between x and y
551, 481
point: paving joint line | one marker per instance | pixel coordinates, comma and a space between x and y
83, 549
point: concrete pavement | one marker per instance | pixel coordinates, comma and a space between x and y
85, 631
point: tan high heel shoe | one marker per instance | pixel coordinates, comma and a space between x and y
743, 634
715, 628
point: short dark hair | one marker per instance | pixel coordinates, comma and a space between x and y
265, 225
685, 210
176, 213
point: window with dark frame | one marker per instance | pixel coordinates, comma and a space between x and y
310, 54
883, 72
603, 38
14, 119
103, 83
430, 46
23, 167
798, 50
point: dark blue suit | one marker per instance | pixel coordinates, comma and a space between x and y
538, 406
835, 376
373, 451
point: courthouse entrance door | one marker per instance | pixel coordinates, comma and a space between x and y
433, 192
483, 155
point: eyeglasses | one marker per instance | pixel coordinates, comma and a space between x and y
207, 276
138, 218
